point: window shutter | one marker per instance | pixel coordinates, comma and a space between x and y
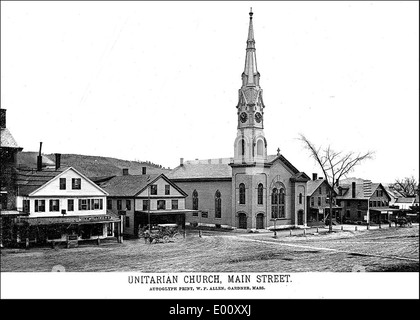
36, 205
80, 203
101, 204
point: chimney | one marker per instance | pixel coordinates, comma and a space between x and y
39, 159
181, 162
57, 161
314, 176
125, 172
353, 189
143, 170
2, 118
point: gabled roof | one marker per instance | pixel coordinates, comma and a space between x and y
272, 158
126, 186
201, 171
300, 177
220, 169
406, 200
132, 185
29, 181
360, 195
313, 185
7, 140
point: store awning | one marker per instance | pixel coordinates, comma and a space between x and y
12, 213
79, 220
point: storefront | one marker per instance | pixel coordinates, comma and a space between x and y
62, 230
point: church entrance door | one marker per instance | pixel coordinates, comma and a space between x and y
300, 217
260, 221
242, 221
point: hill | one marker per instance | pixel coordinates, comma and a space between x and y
94, 166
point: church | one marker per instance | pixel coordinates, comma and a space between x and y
251, 190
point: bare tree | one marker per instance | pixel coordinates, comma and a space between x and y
334, 165
408, 186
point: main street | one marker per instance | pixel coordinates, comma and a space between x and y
386, 249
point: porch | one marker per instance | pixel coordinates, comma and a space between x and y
69, 230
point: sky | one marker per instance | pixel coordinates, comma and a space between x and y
159, 81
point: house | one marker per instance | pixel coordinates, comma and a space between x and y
405, 203
60, 205
364, 201
318, 201
129, 197
393, 193
9, 150
252, 189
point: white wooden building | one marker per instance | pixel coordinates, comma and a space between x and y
62, 204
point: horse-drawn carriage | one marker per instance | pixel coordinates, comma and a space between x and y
163, 233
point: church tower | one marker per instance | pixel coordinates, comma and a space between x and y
250, 168
250, 144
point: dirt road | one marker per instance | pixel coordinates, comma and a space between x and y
343, 251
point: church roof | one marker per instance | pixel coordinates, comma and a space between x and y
201, 171
220, 169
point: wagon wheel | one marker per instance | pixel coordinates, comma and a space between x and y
165, 239
175, 236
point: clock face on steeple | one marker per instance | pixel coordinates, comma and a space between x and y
243, 116
258, 117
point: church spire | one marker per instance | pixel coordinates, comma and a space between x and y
250, 144
250, 75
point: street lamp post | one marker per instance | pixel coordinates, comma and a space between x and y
275, 228
148, 206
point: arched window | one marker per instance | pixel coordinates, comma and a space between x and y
281, 204
260, 193
300, 198
195, 200
217, 205
260, 147
241, 193
277, 203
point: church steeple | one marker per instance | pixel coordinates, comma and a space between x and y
250, 76
250, 143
